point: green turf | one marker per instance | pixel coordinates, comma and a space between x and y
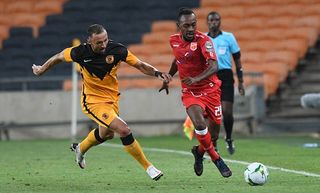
48, 166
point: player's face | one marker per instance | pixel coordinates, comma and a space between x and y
214, 22
188, 26
99, 42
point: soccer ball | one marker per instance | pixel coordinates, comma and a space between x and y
256, 174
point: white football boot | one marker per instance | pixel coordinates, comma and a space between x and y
154, 173
79, 156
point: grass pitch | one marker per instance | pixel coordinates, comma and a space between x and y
48, 166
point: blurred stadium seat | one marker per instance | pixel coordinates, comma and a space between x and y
162, 26
46, 7
4, 33
19, 7
20, 32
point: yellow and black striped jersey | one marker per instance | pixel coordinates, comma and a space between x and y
99, 71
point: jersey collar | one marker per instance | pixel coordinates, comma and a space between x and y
220, 33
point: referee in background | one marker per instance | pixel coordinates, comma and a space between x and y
225, 45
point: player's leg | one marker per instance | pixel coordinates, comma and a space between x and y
95, 137
132, 146
214, 129
195, 113
102, 114
213, 112
227, 112
227, 98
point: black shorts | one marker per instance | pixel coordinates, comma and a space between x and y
227, 86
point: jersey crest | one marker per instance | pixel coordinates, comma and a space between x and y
109, 59
193, 46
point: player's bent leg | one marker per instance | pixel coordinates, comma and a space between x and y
204, 138
133, 147
92, 139
214, 129
105, 133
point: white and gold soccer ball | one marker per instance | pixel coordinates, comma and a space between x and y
256, 174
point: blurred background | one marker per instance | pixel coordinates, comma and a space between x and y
279, 43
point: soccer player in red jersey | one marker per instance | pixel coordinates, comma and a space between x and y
195, 60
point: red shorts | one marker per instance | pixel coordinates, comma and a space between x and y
209, 102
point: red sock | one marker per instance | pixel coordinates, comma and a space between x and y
204, 138
201, 149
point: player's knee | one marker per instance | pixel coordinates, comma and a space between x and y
99, 135
200, 126
124, 131
109, 136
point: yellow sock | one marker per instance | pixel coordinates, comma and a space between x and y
89, 142
135, 151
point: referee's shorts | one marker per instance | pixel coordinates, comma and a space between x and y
227, 84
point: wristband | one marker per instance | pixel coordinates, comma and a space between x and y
240, 74
158, 74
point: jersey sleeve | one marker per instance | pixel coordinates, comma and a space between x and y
207, 48
67, 54
72, 54
234, 47
131, 59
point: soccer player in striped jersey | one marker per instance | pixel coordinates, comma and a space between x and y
99, 60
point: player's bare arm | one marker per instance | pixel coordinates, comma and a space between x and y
212, 68
40, 69
152, 71
173, 70
237, 61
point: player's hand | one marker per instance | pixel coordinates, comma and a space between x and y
189, 80
163, 76
165, 86
37, 70
241, 89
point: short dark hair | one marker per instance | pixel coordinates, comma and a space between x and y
184, 11
95, 29
213, 13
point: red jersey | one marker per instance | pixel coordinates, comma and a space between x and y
192, 59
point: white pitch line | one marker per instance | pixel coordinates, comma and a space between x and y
207, 157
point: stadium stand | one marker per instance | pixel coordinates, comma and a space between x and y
33, 30
271, 33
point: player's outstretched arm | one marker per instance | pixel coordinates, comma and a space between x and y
173, 70
152, 71
41, 69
